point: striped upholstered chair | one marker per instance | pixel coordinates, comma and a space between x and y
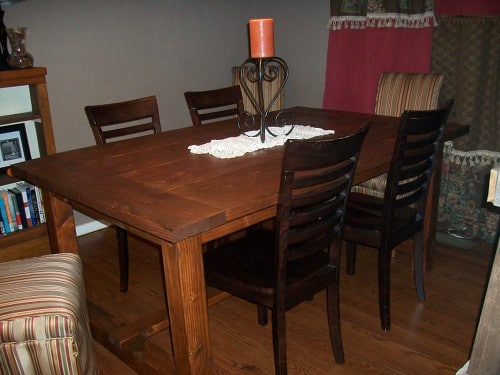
44, 326
397, 92
269, 89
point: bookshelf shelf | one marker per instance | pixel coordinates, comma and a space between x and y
6, 179
30, 241
19, 117
12, 239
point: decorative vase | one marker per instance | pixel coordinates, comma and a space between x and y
19, 58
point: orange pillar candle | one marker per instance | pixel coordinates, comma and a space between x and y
261, 37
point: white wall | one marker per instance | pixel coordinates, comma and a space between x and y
301, 38
103, 51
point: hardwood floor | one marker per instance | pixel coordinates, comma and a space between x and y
431, 337
109, 364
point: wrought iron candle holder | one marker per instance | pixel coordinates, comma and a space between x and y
260, 70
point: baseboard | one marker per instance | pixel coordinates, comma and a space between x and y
462, 243
463, 370
89, 227
86, 224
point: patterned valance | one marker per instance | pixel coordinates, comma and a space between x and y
360, 14
471, 158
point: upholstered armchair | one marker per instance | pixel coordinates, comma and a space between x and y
44, 326
397, 92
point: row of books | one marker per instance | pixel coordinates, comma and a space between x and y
20, 207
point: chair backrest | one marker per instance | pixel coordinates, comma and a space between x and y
398, 92
116, 120
211, 105
413, 161
269, 89
316, 180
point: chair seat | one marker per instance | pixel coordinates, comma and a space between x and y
249, 260
364, 221
44, 327
374, 186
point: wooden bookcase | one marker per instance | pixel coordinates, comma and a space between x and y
30, 241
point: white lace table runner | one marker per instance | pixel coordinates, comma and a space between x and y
237, 146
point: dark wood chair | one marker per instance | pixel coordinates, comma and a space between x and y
211, 105
279, 269
383, 223
115, 121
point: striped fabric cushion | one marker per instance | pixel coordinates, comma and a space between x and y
44, 327
396, 93
269, 89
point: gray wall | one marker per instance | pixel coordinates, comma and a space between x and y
103, 51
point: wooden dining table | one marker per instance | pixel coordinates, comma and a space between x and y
154, 187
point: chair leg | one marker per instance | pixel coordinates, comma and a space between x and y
121, 236
384, 288
333, 311
279, 342
262, 315
418, 265
350, 257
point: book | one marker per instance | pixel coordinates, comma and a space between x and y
27, 189
12, 208
20, 205
3, 215
8, 212
30, 194
26, 204
15, 207
30, 189
39, 200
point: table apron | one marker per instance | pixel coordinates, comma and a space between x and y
238, 224
210, 235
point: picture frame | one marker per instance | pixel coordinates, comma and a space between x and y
14, 147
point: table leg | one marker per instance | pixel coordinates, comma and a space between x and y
187, 305
60, 224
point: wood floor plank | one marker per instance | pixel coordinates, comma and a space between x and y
109, 364
431, 337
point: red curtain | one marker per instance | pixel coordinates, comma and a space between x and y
356, 58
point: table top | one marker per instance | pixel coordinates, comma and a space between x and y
153, 184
